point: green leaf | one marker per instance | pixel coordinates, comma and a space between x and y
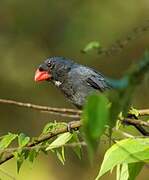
32, 155
19, 163
23, 140
128, 171
60, 141
52, 126
20, 155
134, 112
49, 127
118, 171
125, 151
122, 172
61, 155
6, 140
91, 45
76, 149
134, 169
95, 118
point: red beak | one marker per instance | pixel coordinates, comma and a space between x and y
41, 75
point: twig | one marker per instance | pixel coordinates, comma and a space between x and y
135, 122
57, 111
64, 112
13, 149
143, 112
41, 108
74, 125
77, 116
121, 44
73, 113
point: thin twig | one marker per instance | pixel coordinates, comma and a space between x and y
135, 122
57, 111
13, 149
77, 116
74, 125
41, 108
121, 44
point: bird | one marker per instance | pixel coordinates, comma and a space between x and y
74, 80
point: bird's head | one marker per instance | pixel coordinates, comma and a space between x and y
54, 68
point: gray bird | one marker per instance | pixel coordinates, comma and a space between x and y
74, 80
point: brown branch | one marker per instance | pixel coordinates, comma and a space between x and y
143, 112
72, 113
135, 122
64, 112
74, 116
74, 125
41, 108
13, 149
57, 111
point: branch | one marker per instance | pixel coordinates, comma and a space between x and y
121, 44
74, 125
41, 108
143, 112
74, 116
72, 113
135, 122
65, 112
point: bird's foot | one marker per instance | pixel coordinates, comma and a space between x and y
69, 126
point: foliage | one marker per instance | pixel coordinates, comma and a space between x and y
91, 45
123, 152
95, 119
101, 114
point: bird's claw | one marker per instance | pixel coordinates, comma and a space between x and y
69, 127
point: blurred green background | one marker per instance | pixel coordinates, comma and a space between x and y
30, 31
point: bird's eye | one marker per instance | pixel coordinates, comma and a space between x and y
49, 64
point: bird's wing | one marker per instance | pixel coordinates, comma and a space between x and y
89, 76
97, 82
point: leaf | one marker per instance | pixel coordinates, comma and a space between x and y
128, 171
6, 140
95, 118
91, 45
76, 149
134, 112
19, 163
52, 126
125, 151
123, 173
32, 155
49, 127
23, 140
60, 141
20, 155
61, 155
134, 169
118, 171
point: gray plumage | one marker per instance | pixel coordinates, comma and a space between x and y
74, 80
